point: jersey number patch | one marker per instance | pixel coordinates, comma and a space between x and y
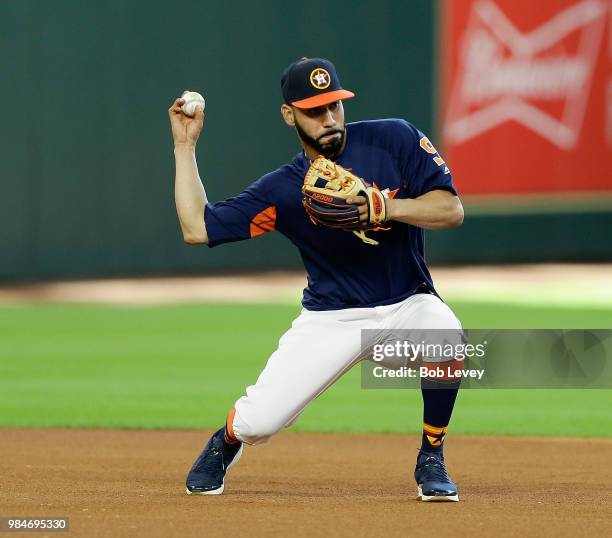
429, 148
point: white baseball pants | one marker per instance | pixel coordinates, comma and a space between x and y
319, 348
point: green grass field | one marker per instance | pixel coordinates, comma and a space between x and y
183, 366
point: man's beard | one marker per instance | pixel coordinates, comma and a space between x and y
328, 149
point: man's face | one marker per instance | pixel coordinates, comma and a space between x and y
321, 128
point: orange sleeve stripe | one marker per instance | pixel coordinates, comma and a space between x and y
263, 222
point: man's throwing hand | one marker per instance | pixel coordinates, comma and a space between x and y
185, 129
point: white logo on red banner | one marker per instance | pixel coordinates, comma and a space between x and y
539, 79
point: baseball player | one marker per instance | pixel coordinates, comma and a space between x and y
374, 278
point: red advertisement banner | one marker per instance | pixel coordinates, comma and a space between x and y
527, 95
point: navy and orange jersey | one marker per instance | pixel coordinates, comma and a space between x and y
344, 272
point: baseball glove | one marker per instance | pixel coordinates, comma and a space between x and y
327, 187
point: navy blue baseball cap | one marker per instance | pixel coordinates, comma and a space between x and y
312, 82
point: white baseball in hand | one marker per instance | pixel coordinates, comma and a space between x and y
193, 100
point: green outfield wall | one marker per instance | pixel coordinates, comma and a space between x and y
86, 151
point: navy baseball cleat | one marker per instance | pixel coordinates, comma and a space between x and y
207, 476
433, 482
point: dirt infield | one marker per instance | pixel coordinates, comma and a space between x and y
547, 283
130, 483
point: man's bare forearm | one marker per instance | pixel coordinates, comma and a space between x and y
189, 195
435, 210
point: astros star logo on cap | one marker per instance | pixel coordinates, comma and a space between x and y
320, 78
312, 82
